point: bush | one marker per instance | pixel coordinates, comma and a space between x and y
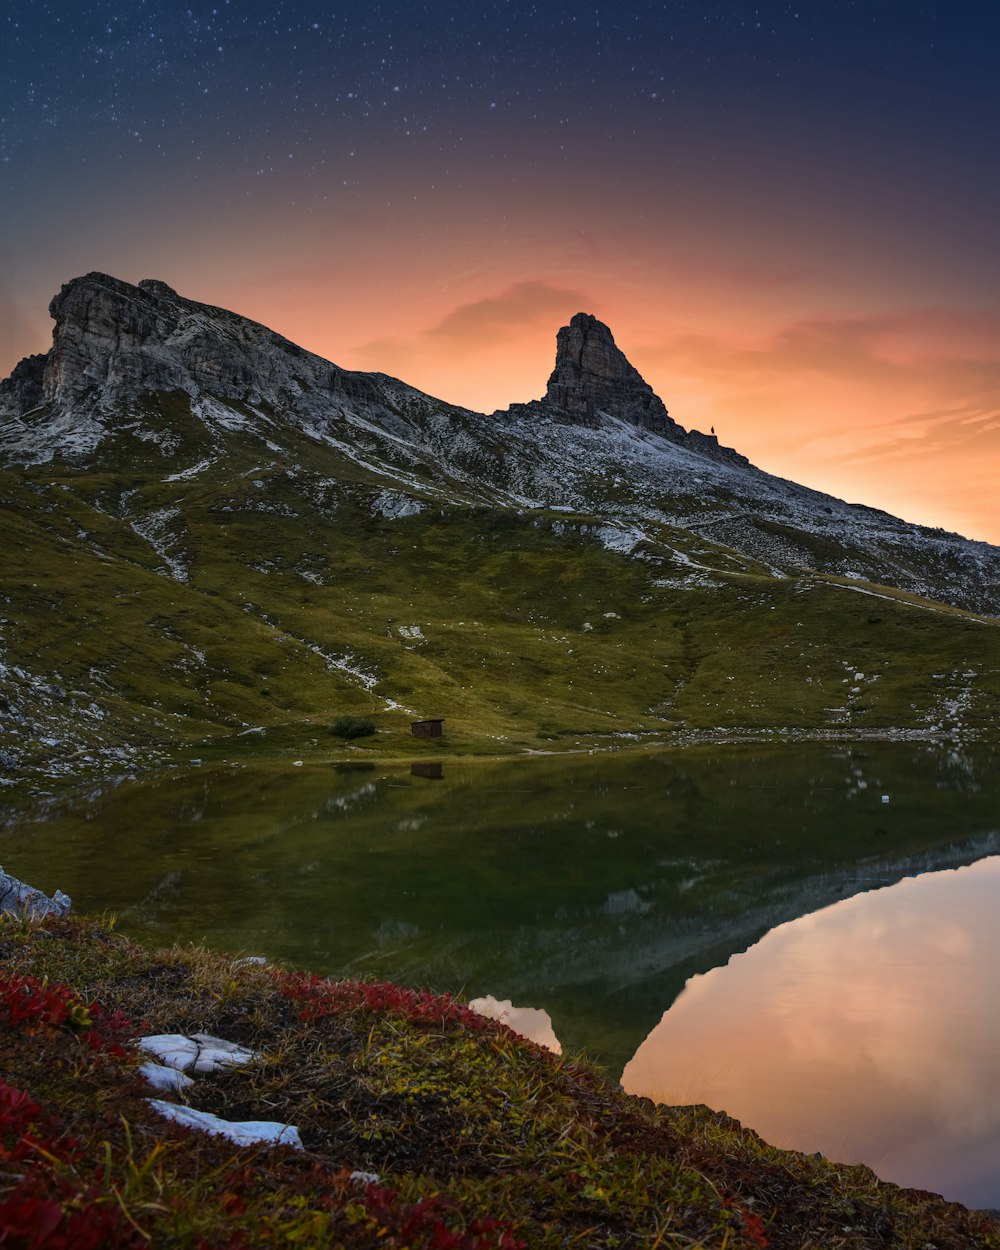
353, 726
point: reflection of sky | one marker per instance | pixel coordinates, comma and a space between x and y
868, 1031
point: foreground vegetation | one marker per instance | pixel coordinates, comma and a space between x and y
478, 1138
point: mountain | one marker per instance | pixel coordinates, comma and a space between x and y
214, 536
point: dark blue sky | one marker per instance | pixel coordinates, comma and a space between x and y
358, 173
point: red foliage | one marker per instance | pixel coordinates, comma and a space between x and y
45, 1210
752, 1225
22, 1120
422, 1224
29, 1220
26, 1002
317, 997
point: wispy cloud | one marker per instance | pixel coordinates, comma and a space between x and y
474, 327
901, 408
524, 303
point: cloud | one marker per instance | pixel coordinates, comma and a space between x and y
479, 324
484, 320
900, 409
498, 347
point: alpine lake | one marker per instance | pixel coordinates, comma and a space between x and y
804, 936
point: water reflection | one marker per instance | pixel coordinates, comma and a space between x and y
433, 771
594, 887
868, 1031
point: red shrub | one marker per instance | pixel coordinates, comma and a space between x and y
317, 997
423, 1224
26, 1002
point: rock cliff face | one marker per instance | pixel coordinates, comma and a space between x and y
114, 342
594, 378
24, 389
592, 375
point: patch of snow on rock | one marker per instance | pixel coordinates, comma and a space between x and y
394, 506
198, 1053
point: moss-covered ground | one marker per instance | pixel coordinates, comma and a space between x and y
478, 1138
149, 615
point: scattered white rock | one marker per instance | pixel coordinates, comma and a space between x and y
166, 1080
173, 1049
366, 1178
199, 1053
242, 1132
529, 1022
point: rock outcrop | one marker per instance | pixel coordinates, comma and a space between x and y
24, 900
114, 342
593, 377
24, 390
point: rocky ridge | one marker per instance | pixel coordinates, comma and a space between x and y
599, 442
593, 378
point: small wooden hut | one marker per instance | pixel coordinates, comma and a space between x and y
427, 728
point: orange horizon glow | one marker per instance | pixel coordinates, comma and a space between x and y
869, 391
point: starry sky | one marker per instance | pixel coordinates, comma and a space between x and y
787, 212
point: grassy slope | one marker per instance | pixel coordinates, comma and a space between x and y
479, 1139
530, 628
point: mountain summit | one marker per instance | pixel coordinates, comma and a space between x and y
114, 342
210, 532
139, 370
592, 375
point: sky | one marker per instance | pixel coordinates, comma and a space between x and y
786, 212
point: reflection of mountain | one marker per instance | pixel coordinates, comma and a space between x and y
636, 973
866, 1030
591, 887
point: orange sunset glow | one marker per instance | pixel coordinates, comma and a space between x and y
788, 224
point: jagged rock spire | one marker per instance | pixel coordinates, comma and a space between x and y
593, 375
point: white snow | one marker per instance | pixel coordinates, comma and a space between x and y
394, 506
166, 1080
186, 475
153, 529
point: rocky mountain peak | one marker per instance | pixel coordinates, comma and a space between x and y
108, 337
153, 286
593, 375
115, 342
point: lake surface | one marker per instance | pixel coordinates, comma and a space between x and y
869, 1031
599, 887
